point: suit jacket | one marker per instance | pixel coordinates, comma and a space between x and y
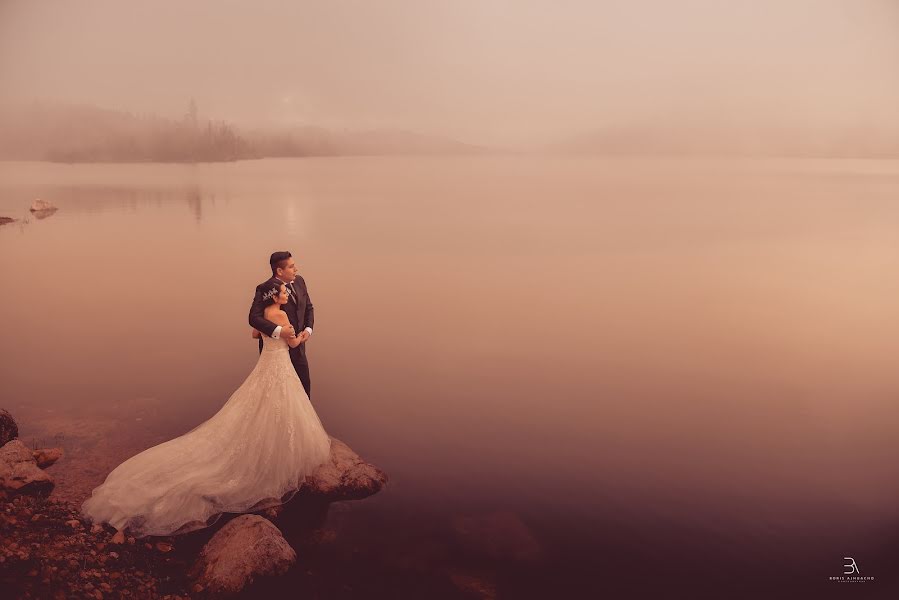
298, 308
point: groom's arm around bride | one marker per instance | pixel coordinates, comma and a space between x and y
298, 308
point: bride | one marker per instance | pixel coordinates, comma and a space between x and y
254, 453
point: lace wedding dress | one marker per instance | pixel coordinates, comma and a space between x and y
252, 454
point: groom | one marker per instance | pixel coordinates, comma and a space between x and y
298, 309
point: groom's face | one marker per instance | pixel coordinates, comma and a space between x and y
288, 272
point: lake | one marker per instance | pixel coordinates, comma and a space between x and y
583, 375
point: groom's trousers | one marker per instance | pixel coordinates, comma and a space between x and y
301, 366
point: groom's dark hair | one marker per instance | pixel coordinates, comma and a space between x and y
278, 259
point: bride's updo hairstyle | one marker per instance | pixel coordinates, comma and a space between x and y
270, 291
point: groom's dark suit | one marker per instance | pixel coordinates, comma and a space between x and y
299, 313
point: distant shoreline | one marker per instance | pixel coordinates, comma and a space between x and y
723, 156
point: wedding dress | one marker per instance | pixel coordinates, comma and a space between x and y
253, 453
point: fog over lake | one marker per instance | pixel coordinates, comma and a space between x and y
607, 288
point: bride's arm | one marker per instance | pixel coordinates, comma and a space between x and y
279, 318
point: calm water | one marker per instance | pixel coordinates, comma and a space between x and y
653, 374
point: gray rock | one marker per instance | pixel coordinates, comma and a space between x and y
19, 473
344, 477
8, 428
247, 547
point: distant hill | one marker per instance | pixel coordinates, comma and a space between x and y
695, 137
318, 141
91, 134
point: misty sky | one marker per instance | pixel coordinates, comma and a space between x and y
479, 70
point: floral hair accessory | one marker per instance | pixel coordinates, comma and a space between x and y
271, 293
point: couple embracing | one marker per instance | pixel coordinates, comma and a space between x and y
254, 453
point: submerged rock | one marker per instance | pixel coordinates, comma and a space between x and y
497, 536
247, 547
19, 473
5, 220
47, 456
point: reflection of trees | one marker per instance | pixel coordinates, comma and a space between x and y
195, 204
92, 199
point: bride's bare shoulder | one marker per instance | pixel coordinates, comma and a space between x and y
276, 315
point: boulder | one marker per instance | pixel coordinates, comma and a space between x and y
344, 477
19, 473
246, 548
9, 430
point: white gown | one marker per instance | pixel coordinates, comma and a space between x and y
252, 454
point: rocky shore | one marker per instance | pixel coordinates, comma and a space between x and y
47, 550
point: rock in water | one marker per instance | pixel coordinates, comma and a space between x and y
8, 428
497, 536
41, 206
345, 476
247, 547
47, 456
19, 473
5, 220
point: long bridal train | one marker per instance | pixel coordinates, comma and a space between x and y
263, 446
